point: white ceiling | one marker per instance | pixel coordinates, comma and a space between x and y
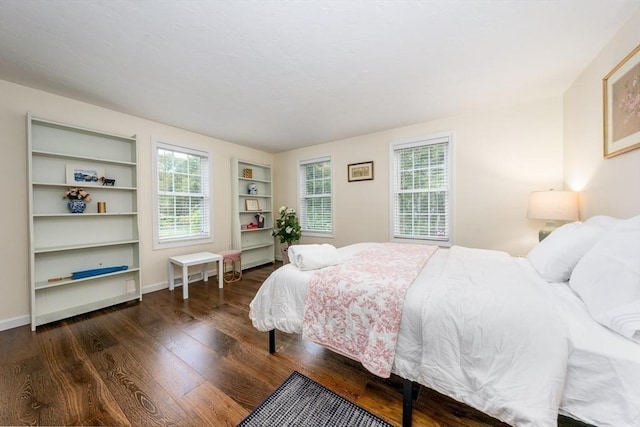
276, 75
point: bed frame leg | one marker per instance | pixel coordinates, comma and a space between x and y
407, 401
272, 341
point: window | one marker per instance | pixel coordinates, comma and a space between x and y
182, 196
316, 198
421, 189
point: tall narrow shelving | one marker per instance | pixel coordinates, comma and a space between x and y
62, 242
256, 244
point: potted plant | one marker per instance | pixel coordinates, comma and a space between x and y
78, 199
287, 229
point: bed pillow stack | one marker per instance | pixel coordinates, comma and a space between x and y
556, 256
607, 279
601, 260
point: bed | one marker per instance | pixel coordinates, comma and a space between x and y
522, 339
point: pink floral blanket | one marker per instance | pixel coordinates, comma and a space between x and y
354, 308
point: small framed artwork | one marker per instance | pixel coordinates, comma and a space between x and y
621, 92
252, 204
83, 175
360, 171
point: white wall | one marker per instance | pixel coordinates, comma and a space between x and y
607, 186
15, 101
499, 158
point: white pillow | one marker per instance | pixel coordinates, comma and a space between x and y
607, 279
604, 222
313, 256
555, 257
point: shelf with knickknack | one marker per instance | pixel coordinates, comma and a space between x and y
252, 215
83, 220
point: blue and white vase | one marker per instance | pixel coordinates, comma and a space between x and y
76, 206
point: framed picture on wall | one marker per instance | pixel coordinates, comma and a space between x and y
621, 96
360, 171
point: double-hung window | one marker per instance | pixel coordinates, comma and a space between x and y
182, 197
421, 199
316, 196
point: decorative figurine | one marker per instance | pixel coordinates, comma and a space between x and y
260, 219
108, 181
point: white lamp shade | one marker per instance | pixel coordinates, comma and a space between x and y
553, 205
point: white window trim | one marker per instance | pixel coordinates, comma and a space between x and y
315, 159
433, 138
157, 245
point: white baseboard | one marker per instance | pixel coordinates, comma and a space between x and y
26, 319
15, 322
155, 287
177, 282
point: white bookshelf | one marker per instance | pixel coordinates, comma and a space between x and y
257, 245
61, 242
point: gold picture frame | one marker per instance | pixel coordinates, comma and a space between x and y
252, 205
360, 171
621, 91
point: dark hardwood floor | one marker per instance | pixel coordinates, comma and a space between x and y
199, 362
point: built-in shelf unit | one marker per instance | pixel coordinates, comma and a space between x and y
61, 242
256, 244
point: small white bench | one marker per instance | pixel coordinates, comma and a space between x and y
185, 261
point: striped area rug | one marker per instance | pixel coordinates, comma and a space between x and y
302, 402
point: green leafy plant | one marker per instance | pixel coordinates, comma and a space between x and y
287, 226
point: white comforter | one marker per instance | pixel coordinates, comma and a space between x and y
472, 327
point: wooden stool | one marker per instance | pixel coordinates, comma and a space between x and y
229, 259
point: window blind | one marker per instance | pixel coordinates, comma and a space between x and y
183, 196
315, 195
421, 204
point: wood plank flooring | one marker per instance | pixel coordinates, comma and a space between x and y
169, 362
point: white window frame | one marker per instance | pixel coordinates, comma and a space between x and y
207, 236
302, 194
431, 139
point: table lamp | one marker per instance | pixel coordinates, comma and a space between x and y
552, 206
